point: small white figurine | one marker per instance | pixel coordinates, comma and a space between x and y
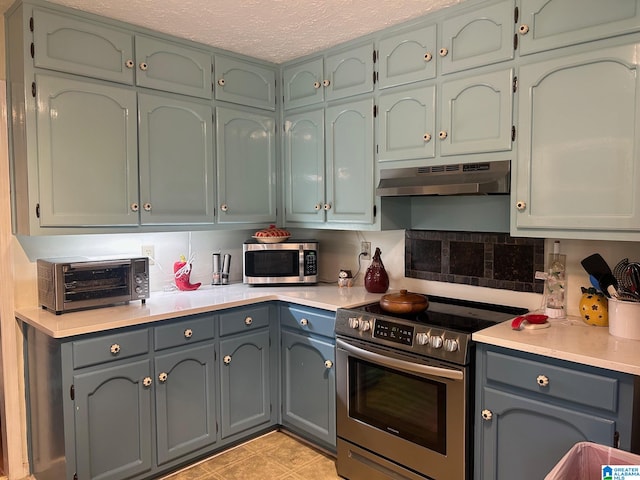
345, 279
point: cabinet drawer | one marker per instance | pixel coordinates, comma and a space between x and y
178, 333
555, 381
110, 347
309, 320
243, 320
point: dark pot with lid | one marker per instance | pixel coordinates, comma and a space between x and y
404, 303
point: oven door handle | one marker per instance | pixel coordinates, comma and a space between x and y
409, 367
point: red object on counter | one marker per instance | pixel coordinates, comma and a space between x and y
533, 319
182, 273
376, 280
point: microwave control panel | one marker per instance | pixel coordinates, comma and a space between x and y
310, 263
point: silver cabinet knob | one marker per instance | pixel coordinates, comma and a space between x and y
304, 322
427, 137
221, 82
487, 414
188, 333
163, 377
443, 135
542, 380
146, 381
129, 64
428, 57
147, 207
224, 207
523, 29
443, 52
248, 321
143, 66
328, 364
521, 205
135, 207
317, 84
326, 82
115, 349
227, 359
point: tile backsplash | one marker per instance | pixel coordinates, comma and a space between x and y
494, 260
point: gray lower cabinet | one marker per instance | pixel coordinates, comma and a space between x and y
308, 373
245, 371
530, 410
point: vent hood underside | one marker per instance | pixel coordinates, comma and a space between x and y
455, 179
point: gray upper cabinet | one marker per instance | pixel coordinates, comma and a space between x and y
68, 44
303, 83
176, 160
407, 57
550, 24
476, 114
477, 38
164, 65
406, 124
577, 170
246, 161
86, 131
349, 72
244, 83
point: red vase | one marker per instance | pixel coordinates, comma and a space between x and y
376, 279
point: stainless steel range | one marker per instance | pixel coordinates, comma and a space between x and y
405, 389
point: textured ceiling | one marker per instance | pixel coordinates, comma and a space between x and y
273, 30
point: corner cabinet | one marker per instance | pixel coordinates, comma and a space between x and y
530, 410
308, 373
246, 156
577, 170
328, 155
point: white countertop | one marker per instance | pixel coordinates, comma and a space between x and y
569, 339
167, 305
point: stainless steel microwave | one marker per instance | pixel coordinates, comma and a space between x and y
67, 284
288, 262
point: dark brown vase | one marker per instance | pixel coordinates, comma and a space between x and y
376, 279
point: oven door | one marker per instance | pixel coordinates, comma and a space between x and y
409, 410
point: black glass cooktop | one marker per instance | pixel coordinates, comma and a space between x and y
453, 314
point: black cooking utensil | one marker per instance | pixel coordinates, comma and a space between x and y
596, 265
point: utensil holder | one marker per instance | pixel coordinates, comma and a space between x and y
624, 319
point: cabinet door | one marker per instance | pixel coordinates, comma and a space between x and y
303, 84
349, 72
529, 436
406, 124
246, 153
304, 166
244, 382
79, 46
477, 38
407, 57
87, 153
176, 161
476, 114
309, 385
185, 401
164, 65
578, 146
549, 24
350, 162
245, 83
113, 422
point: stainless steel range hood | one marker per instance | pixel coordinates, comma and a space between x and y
454, 179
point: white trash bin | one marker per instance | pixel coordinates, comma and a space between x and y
585, 461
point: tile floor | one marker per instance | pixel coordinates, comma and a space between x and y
274, 456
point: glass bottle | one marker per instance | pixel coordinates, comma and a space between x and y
555, 284
376, 279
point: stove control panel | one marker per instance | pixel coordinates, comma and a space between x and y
393, 332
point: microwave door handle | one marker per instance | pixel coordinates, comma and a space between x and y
408, 367
105, 263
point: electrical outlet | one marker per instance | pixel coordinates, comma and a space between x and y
365, 250
149, 251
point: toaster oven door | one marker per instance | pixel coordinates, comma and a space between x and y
88, 284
